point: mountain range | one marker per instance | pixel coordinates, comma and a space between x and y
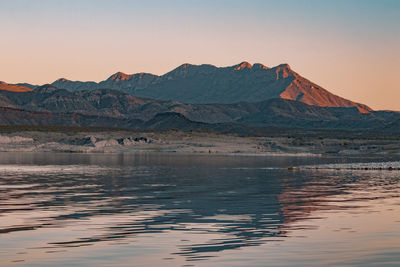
205, 84
239, 98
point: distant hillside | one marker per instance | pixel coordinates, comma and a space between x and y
13, 116
205, 84
14, 87
115, 108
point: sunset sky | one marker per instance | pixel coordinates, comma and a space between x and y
351, 48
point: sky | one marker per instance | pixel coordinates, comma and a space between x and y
349, 47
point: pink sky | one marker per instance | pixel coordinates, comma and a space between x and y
351, 49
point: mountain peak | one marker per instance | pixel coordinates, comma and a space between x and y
186, 65
283, 71
181, 70
119, 76
283, 66
242, 65
62, 80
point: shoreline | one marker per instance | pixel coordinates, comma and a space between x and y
205, 143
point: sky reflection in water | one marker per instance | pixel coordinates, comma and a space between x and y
172, 210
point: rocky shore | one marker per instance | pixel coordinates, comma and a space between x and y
191, 142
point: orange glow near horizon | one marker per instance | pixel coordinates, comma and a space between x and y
351, 49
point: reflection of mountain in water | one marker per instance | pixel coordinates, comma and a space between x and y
241, 206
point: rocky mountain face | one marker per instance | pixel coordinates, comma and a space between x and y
115, 108
243, 98
206, 84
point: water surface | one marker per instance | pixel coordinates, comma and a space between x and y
150, 209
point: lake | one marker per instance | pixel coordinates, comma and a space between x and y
154, 209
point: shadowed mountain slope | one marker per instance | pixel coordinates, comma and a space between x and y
13, 116
106, 105
205, 84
